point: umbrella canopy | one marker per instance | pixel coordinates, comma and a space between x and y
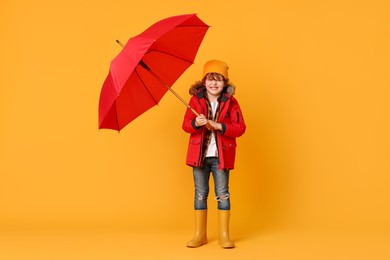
146, 67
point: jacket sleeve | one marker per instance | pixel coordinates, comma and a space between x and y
234, 126
189, 117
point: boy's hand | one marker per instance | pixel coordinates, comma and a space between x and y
200, 120
215, 125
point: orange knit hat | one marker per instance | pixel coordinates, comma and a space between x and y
216, 66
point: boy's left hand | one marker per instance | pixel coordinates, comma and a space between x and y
215, 125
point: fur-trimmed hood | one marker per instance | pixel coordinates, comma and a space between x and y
229, 88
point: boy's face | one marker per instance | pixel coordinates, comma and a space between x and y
214, 84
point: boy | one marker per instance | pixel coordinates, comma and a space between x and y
212, 151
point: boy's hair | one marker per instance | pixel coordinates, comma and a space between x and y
215, 76
228, 86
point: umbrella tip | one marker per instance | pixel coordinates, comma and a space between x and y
121, 44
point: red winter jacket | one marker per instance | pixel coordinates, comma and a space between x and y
233, 125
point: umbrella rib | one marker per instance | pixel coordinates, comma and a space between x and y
167, 53
144, 85
117, 116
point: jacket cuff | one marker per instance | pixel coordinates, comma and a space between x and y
193, 124
223, 128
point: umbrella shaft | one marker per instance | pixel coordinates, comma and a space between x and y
208, 126
174, 93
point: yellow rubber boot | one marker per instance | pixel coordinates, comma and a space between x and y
223, 227
200, 235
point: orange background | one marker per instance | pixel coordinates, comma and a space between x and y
312, 79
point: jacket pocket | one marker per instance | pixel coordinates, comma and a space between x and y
193, 152
229, 153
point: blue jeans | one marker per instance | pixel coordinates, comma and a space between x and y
221, 184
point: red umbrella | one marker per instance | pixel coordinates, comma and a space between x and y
147, 67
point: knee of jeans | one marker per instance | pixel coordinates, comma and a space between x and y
221, 198
200, 196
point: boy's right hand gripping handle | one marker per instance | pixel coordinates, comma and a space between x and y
208, 126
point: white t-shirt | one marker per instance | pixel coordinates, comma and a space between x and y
212, 150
